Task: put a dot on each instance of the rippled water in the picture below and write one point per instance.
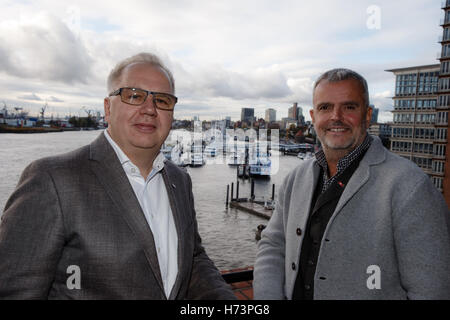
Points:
(227, 234)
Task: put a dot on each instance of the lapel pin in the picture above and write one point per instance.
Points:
(173, 185)
(341, 184)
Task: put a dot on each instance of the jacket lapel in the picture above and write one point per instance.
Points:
(302, 196)
(108, 170)
(172, 183)
(374, 155)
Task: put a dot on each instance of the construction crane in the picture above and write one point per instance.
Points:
(42, 112)
(88, 111)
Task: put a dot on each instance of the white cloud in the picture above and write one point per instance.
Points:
(32, 97)
(41, 46)
(224, 54)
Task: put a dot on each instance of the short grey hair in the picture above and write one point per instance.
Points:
(143, 57)
(341, 74)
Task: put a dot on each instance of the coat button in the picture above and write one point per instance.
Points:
(307, 287)
(299, 231)
(293, 266)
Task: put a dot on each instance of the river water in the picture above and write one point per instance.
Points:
(228, 235)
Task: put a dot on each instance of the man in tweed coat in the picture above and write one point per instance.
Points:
(113, 219)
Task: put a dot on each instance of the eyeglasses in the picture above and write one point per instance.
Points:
(136, 97)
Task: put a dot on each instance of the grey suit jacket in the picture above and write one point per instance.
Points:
(390, 216)
(79, 209)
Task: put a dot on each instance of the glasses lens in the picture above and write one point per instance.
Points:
(164, 101)
(133, 96)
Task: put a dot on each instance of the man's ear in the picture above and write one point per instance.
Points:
(311, 113)
(369, 115)
(107, 108)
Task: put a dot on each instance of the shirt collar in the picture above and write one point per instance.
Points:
(158, 163)
(344, 162)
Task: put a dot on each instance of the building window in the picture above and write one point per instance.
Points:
(438, 167)
(423, 163)
(442, 118)
(425, 148)
(401, 146)
(424, 133)
(439, 150)
(444, 100)
(437, 181)
(441, 134)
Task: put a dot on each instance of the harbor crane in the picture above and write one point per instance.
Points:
(88, 111)
(42, 112)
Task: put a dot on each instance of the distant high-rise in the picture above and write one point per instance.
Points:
(271, 115)
(295, 113)
(248, 115)
(292, 111)
(374, 114)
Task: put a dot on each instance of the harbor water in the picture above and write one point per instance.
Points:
(228, 235)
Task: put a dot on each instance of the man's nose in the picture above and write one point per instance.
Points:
(148, 107)
(337, 113)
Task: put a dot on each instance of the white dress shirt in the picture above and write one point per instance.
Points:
(152, 195)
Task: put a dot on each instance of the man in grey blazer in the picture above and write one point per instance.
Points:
(113, 219)
(357, 221)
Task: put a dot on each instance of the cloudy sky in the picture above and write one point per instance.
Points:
(225, 55)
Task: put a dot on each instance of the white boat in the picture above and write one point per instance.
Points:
(210, 151)
(196, 157)
(235, 159)
(262, 165)
(197, 160)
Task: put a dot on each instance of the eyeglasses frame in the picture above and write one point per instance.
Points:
(118, 92)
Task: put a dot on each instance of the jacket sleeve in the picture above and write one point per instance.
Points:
(269, 270)
(31, 237)
(422, 240)
(206, 282)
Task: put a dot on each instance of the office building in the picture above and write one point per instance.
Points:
(374, 114)
(271, 115)
(296, 113)
(414, 128)
(248, 115)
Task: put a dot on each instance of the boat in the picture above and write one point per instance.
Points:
(262, 168)
(210, 151)
(261, 165)
(235, 159)
(196, 156)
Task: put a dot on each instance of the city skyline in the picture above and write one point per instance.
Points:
(224, 56)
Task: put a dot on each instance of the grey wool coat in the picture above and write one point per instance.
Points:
(79, 209)
(391, 228)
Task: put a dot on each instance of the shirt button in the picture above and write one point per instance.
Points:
(311, 263)
(299, 231)
(133, 170)
(307, 287)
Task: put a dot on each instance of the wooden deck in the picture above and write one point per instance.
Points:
(252, 207)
